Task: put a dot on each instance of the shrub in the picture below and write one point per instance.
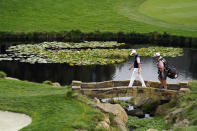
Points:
(2, 74)
(47, 82)
(70, 94)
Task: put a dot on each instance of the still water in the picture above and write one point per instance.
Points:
(64, 74)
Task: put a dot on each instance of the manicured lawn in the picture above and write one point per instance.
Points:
(48, 107)
(102, 15)
(174, 11)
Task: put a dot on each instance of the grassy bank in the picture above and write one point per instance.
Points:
(91, 15)
(147, 123)
(49, 107)
(188, 105)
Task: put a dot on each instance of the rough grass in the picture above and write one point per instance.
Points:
(147, 123)
(92, 15)
(189, 102)
(50, 108)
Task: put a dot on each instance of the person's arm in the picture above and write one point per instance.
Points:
(161, 67)
(139, 65)
(131, 67)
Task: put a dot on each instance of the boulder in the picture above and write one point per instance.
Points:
(139, 101)
(136, 112)
(185, 90)
(161, 110)
(10, 78)
(96, 100)
(174, 116)
(152, 130)
(120, 124)
(120, 115)
(56, 84)
(182, 123)
(105, 124)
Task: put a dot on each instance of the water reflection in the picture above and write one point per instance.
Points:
(64, 74)
(61, 73)
(186, 65)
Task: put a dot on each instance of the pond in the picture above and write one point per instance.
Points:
(64, 74)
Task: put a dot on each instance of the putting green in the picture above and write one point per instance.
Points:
(173, 11)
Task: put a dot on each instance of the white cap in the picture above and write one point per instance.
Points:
(157, 54)
(133, 51)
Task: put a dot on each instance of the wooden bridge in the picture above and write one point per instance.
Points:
(111, 89)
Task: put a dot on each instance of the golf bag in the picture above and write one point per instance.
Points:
(171, 70)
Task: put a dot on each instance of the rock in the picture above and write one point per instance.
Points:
(185, 90)
(139, 101)
(174, 116)
(120, 115)
(76, 83)
(76, 89)
(56, 84)
(151, 130)
(183, 84)
(182, 123)
(88, 85)
(97, 100)
(105, 124)
(10, 78)
(161, 110)
(136, 112)
(120, 124)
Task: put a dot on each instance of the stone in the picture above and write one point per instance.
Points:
(183, 84)
(161, 110)
(10, 78)
(105, 124)
(96, 100)
(151, 130)
(174, 115)
(104, 84)
(88, 85)
(137, 83)
(120, 124)
(139, 101)
(182, 123)
(120, 116)
(56, 84)
(185, 90)
(173, 86)
(76, 83)
(121, 83)
(76, 87)
(155, 84)
(136, 112)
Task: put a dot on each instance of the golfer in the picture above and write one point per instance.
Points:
(137, 69)
(162, 73)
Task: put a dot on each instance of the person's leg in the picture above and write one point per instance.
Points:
(142, 80)
(165, 84)
(133, 76)
(161, 81)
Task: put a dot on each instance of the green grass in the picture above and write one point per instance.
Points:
(189, 103)
(182, 12)
(48, 107)
(102, 15)
(145, 124)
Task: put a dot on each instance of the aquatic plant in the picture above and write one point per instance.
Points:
(76, 54)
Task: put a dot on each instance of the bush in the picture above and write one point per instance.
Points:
(47, 82)
(70, 94)
(2, 74)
